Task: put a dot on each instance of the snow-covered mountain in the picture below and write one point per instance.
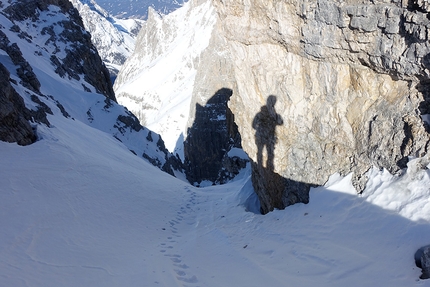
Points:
(157, 81)
(49, 61)
(138, 9)
(166, 83)
(114, 38)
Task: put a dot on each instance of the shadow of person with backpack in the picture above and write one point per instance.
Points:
(265, 123)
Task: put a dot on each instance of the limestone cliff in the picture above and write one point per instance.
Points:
(344, 85)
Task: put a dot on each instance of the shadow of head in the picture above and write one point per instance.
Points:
(271, 101)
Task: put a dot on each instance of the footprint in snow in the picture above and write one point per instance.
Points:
(183, 266)
(176, 260)
(192, 279)
(180, 272)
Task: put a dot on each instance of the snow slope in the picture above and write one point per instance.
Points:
(78, 209)
(157, 81)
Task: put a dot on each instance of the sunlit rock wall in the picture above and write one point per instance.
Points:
(349, 81)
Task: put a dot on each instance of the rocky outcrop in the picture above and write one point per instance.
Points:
(422, 260)
(73, 33)
(14, 116)
(350, 79)
(425, 263)
(210, 138)
(212, 131)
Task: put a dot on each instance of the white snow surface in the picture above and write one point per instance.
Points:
(78, 209)
(157, 81)
(238, 152)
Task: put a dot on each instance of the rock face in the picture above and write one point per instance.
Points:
(425, 263)
(73, 33)
(351, 82)
(422, 260)
(14, 116)
(318, 86)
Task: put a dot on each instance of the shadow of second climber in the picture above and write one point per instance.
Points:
(265, 123)
(273, 190)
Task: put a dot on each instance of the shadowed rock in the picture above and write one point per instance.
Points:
(209, 139)
(14, 116)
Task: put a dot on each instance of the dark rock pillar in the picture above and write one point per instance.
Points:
(209, 139)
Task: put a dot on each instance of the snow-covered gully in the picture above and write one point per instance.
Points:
(78, 209)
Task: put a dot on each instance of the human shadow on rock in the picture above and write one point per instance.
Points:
(265, 123)
(273, 190)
